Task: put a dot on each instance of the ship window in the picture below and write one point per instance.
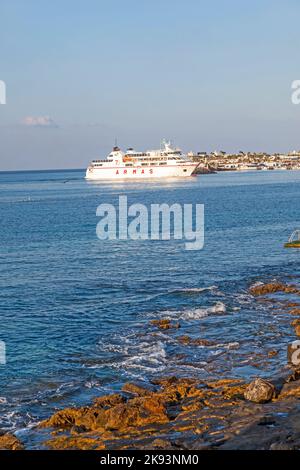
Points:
(163, 163)
(144, 164)
(128, 164)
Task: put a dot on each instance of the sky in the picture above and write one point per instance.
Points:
(209, 75)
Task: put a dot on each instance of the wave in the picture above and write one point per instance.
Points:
(144, 356)
(197, 313)
(195, 290)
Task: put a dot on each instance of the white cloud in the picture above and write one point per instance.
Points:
(39, 121)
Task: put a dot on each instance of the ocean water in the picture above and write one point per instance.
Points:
(76, 311)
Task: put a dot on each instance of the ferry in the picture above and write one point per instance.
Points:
(163, 163)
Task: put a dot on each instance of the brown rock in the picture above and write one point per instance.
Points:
(259, 391)
(297, 330)
(160, 444)
(272, 353)
(64, 418)
(164, 324)
(136, 389)
(290, 390)
(107, 401)
(186, 340)
(292, 304)
(75, 443)
(293, 353)
(10, 442)
(137, 412)
(270, 288)
(295, 311)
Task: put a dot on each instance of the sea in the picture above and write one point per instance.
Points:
(76, 312)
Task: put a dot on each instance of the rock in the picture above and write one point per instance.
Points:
(263, 289)
(290, 390)
(164, 324)
(78, 429)
(160, 444)
(295, 311)
(272, 353)
(75, 443)
(293, 353)
(107, 401)
(137, 412)
(137, 390)
(185, 413)
(10, 442)
(295, 376)
(63, 419)
(187, 340)
(259, 391)
(297, 330)
(295, 322)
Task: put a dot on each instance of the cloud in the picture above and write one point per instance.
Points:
(39, 121)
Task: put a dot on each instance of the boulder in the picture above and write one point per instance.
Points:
(259, 391)
(293, 353)
(10, 442)
(164, 324)
(137, 390)
(263, 289)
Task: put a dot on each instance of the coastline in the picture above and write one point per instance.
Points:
(188, 413)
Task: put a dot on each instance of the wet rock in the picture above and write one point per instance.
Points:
(259, 391)
(295, 322)
(263, 289)
(10, 442)
(135, 412)
(273, 353)
(297, 330)
(78, 429)
(107, 401)
(294, 376)
(160, 444)
(292, 304)
(63, 419)
(137, 390)
(187, 340)
(164, 324)
(174, 390)
(293, 353)
(185, 413)
(295, 311)
(290, 390)
(75, 443)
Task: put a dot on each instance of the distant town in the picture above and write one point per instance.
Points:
(250, 161)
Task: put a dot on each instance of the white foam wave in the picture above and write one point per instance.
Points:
(197, 313)
(196, 290)
(232, 345)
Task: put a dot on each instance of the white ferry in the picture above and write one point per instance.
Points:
(163, 163)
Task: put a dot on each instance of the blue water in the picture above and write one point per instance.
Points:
(76, 311)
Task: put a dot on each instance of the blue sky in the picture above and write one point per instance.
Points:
(207, 74)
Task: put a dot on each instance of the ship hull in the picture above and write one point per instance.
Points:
(139, 172)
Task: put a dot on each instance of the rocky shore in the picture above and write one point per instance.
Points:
(187, 413)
